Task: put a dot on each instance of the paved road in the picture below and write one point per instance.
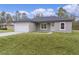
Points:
(9, 33)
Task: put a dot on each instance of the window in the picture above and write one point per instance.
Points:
(62, 25)
(43, 26)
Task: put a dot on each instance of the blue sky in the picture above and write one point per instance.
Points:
(46, 9)
(27, 7)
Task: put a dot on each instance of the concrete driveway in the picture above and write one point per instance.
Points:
(9, 33)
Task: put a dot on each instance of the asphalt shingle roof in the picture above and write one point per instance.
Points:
(45, 19)
(51, 19)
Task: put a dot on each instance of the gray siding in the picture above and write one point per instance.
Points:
(40, 30)
(57, 27)
(32, 27)
(35, 27)
(68, 27)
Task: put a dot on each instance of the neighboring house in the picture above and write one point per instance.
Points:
(6, 26)
(44, 24)
(2, 25)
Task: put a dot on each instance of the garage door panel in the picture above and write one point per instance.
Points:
(21, 27)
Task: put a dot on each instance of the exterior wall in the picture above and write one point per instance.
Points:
(24, 27)
(56, 27)
(32, 27)
(68, 27)
(40, 30)
(21, 27)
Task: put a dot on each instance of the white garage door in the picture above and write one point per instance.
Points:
(21, 27)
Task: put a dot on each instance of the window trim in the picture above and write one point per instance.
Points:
(43, 28)
(60, 25)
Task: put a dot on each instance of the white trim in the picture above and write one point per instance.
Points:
(41, 24)
(64, 25)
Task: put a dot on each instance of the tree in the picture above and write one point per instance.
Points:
(17, 16)
(62, 12)
(75, 25)
(39, 15)
(0, 18)
(23, 15)
(8, 19)
(3, 17)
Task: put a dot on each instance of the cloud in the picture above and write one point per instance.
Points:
(50, 12)
(45, 12)
(24, 12)
(37, 11)
(11, 13)
(73, 9)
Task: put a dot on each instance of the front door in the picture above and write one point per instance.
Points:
(52, 26)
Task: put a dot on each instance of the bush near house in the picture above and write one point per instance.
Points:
(8, 29)
(75, 25)
(40, 44)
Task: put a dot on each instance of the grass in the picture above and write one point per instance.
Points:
(40, 44)
(8, 30)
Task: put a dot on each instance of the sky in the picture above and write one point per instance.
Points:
(46, 9)
(27, 7)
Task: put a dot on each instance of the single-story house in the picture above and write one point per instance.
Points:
(44, 24)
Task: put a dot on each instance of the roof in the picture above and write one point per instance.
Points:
(51, 19)
(23, 20)
(46, 19)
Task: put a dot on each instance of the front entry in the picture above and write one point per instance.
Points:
(52, 26)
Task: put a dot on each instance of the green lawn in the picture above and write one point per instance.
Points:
(40, 44)
(8, 30)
